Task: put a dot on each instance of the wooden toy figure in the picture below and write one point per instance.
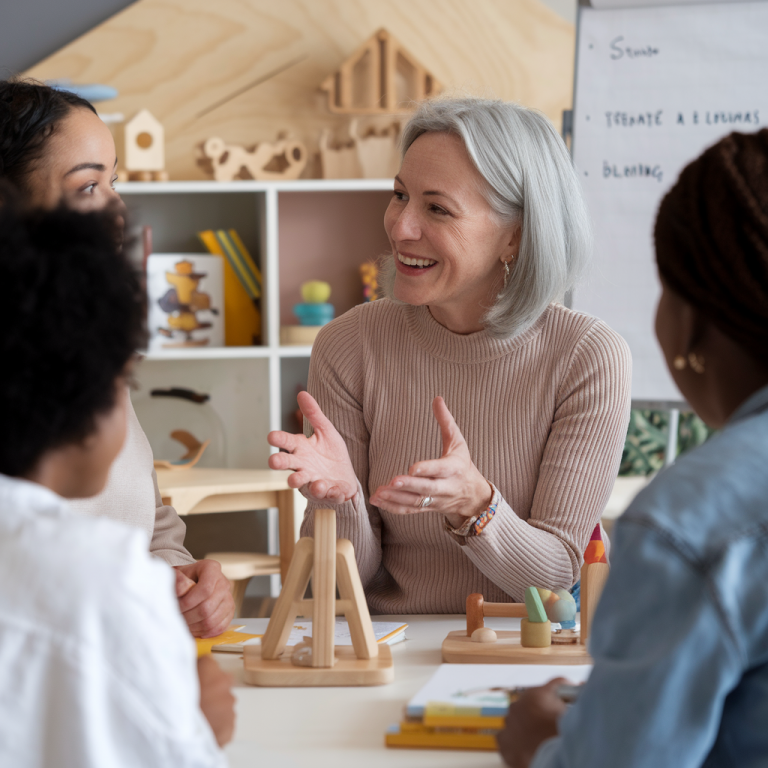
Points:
(144, 155)
(230, 161)
(182, 303)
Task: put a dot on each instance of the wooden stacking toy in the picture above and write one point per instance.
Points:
(535, 643)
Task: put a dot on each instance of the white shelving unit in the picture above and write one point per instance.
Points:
(296, 231)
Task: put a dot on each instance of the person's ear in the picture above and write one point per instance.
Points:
(695, 327)
(512, 248)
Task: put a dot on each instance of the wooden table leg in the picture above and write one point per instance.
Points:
(286, 530)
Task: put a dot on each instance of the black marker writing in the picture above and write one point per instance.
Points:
(641, 170)
(632, 119)
(750, 117)
(620, 51)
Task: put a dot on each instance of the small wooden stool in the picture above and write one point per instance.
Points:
(240, 567)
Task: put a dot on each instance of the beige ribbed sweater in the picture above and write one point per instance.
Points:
(544, 415)
(132, 496)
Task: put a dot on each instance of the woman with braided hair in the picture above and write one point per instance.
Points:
(680, 639)
(55, 150)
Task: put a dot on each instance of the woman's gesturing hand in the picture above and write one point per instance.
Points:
(454, 483)
(321, 462)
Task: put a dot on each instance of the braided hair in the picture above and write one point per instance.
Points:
(711, 238)
(29, 113)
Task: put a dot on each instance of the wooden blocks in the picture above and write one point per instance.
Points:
(372, 155)
(330, 563)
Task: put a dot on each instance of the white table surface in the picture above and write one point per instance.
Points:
(344, 727)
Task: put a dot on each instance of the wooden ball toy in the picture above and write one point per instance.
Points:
(483, 635)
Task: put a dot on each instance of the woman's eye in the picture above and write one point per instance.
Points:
(438, 209)
(399, 195)
(90, 189)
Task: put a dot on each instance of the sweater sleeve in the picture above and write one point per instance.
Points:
(576, 475)
(168, 534)
(336, 381)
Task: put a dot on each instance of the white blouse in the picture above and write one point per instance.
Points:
(132, 496)
(97, 666)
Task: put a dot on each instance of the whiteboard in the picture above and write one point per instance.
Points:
(654, 87)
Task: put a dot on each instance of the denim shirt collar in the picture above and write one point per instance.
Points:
(753, 405)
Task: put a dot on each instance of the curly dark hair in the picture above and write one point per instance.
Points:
(29, 114)
(711, 238)
(71, 317)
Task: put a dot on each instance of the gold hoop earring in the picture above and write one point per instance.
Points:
(506, 273)
(696, 362)
(679, 363)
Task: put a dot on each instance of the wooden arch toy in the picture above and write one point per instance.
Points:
(317, 662)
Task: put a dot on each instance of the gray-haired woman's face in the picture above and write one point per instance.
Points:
(448, 245)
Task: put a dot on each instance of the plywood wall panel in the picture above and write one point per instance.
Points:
(179, 57)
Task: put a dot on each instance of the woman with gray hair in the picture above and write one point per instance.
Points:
(500, 486)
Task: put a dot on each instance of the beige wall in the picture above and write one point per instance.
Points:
(178, 58)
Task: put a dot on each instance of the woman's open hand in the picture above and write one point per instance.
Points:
(454, 483)
(321, 462)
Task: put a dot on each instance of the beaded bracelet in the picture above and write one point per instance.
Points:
(473, 526)
(487, 516)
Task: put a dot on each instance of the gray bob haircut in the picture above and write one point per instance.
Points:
(530, 180)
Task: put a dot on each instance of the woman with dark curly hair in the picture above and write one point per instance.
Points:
(54, 149)
(98, 667)
(680, 639)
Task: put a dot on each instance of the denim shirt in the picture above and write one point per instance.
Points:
(680, 638)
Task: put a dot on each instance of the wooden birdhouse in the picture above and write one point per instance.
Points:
(380, 77)
(144, 144)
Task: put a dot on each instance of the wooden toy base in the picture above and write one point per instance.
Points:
(458, 648)
(348, 670)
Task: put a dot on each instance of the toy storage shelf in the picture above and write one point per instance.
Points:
(296, 231)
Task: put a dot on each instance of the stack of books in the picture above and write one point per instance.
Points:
(463, 706)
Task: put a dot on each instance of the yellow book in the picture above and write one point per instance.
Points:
(441, 715)
(242, 318)
(231, 635)
(418, 735)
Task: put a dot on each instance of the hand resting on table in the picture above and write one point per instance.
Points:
(205, 598)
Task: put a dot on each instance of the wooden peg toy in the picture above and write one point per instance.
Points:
(535, 643)
(317, 661)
